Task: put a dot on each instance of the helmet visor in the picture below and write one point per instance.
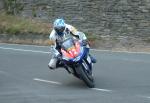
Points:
(60, 29)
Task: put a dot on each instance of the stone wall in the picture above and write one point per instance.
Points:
(101, 17)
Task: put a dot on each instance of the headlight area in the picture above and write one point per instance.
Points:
(77, 58)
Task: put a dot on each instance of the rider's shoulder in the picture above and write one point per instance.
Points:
(71, 28)
(68, 26)
(52, 35)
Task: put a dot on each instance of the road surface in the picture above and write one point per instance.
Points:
(25, 78)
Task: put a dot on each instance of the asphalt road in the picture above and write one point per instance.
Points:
(25, 78)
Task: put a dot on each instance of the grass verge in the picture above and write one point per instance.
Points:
(13, 25)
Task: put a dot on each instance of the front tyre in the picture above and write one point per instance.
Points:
(86, 76)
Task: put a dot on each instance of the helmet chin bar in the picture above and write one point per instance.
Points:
(60, 33)
(59, 30)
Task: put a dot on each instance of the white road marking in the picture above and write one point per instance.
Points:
(22, 45)
(58, 83)
(147, 97)
(47, 81)
(24, 50)
(129, 52)
(91, 49)
(2, 72)
(103, 90)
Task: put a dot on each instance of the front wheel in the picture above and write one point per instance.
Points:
(86, 76)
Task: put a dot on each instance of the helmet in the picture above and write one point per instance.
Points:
(59, 26)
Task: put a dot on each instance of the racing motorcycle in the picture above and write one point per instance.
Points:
(77, 61)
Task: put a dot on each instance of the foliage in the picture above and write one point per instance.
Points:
(13, 6)
(12, 25)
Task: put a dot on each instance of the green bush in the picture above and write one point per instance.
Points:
(13, 6)
(12, 25)
(13, 30)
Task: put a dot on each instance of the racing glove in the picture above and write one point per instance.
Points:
(84, 42)
(59, 57)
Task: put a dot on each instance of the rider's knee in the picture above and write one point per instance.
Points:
(52, 64)
(51, 67)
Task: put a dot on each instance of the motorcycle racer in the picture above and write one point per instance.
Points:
(61, 31)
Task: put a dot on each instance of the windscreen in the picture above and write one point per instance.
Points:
(67, 44)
